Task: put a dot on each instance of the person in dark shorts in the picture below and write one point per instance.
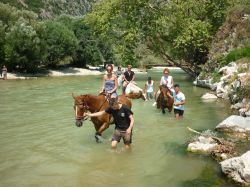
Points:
(179, 101)
(124, 122)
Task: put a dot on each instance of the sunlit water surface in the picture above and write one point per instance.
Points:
(41, 146)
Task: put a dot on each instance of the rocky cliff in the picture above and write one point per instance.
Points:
(52, 8)
(233, 34)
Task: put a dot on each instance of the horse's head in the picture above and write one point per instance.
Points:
(164, 100)
(80, 106)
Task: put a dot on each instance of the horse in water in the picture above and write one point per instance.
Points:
(164, 100)
(134, 92)
(92, 103)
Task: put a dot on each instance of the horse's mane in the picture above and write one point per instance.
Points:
(91, 95)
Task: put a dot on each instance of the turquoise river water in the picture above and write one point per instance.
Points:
(40, 145)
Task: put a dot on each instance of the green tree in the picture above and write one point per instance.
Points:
(23, 49)
(91, 49)
(60, 43)
(178, 30)
(10, 15)
(2, 42)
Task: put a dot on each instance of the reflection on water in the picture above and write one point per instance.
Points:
(41, 146)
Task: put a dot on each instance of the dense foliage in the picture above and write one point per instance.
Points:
(52, 8)
(28, 44)
(138, 32)
(238, 53)
(179, 31)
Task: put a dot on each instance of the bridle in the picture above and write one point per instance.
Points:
(85, 108)
(82, 107)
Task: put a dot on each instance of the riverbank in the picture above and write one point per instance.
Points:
(70, 71)
(231, 84)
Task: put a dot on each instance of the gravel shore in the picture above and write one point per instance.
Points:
(71, 71)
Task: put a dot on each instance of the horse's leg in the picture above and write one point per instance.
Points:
(98, 134)
(163, 105)
(164, 100)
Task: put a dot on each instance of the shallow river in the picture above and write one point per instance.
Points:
(40, 146)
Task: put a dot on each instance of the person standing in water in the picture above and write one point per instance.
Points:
(119, 76)
(179, 101)
(149, 89)
(4, 72)
(124, 122)
(118, 71)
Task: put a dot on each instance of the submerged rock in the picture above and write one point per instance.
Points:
(238, 168)
(209, 96)
(219, 148)
(202, 145)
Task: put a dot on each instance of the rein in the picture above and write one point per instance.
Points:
(106, 99)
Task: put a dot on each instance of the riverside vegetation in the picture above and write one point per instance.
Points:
(210, 40)
(141, 32)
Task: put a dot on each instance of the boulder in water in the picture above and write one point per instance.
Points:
(236, 124)
(238, 168)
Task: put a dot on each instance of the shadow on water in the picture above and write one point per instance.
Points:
(176, 148)
(210, 176)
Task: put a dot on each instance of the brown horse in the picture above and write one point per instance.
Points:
(92, 103)
(164, 100)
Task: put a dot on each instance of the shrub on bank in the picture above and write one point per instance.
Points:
(238, 54)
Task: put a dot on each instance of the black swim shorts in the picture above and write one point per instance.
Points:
(180, 112)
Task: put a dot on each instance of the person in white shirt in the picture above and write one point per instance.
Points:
(167, 80)
(149, 89)
(179, 101)
(166, 84)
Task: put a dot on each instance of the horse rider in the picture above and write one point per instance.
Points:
(167, 80)
(128, 77)
(109, 83)
(166, 83)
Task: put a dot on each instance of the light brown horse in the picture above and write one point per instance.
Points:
(164, 100)
(139, 95)
(92, 103)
